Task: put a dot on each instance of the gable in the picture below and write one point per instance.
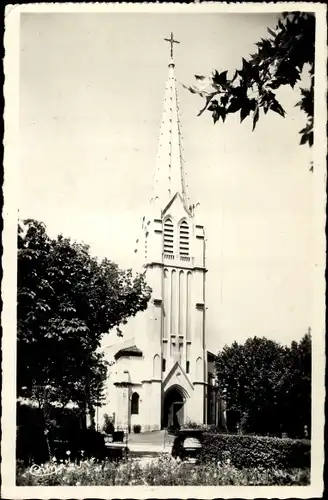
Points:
(177, 376)
(176, 208)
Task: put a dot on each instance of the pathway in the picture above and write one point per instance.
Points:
(149, 445)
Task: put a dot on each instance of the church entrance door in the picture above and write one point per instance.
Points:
(173, 414)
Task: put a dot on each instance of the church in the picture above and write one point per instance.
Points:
(163, 375)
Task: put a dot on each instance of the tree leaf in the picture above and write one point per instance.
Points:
(216, 115)
(235, 105)
(304, 139)
(207, 102)
(277, 108)
(213, 105)
(220, 78)
(244, 112)
(256, 116)
(224, 100)
(223, 114)
(192, 90)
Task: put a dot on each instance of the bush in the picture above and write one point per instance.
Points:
(190, 424)
(59, 420)
(35, 435)
(203, 427)
(108, 426)
(31, 444)
(256, 451)
(64, 421)
(137, 429)
(88, 443)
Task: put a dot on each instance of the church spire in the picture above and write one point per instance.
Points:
(170, 177)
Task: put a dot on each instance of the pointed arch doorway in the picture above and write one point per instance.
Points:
(173, 408)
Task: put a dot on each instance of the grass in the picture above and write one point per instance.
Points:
(162, 471)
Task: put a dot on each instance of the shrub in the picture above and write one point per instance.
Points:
(203, 427)
(108, 426)
(190, 424)
(31, 444)
(59, 420)
(62, 425)
(137, 428)
(256, 451)
(212, 428)
(90, 441)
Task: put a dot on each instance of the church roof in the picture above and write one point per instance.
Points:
(128, 351)
(210, 356)
(170, 175)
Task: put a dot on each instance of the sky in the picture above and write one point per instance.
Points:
(90, 103)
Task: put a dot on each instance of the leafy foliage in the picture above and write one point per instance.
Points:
(256, 451)
(163, 471)
(210, 428)
(33, 445)
(279, 60)
(267, 384)
(295, 395)
(66, 301)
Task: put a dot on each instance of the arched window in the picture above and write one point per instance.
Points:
(184, 238)
(168, 236)
(156, 366)
(135, 404)
(199, 369)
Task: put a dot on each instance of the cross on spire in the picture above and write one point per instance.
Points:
(170, 177)
(171, 41)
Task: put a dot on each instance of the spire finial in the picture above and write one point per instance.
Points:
(170, 177)
(171, 41)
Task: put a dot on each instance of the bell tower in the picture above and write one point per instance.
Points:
(173, 250)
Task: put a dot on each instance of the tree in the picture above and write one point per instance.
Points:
(250, 376)
(66, 301)
(279, 60)
(296, 390)
(267, 384)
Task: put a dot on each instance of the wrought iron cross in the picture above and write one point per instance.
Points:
(171, 41)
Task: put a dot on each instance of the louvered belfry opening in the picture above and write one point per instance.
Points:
(168, 237)
(184, 238)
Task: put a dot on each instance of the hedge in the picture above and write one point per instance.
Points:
(256, 451)
(31, 442)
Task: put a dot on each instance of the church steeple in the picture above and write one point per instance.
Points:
(169, 368)
(170, 176)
